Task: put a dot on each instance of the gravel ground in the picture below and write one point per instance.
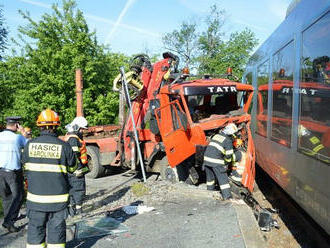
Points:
(184, 206)
(297, 230)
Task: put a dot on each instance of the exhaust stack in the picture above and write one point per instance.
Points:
(79, 93)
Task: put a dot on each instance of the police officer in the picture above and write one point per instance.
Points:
(47, 160)
(11, 175)
(77, 180)
(217, 156)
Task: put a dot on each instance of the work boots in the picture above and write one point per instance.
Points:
(10, 227)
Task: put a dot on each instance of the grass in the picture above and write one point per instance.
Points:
(139, 189)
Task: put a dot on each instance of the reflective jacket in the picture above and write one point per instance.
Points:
(219, 151)
(311, 145)
(47, 160)
(78, 146)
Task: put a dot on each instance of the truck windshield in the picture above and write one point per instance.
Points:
(213, 105)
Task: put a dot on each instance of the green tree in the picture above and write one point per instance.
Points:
(183, 42)
(234, 53)
(211, 40)
(3, 33)
(208, 49)
(44, 76)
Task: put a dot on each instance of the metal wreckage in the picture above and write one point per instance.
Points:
(166, 120)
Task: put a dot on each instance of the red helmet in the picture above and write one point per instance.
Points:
(48, 117)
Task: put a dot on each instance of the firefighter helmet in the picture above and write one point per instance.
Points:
(80, 121)
(48, 117)
(230, 129)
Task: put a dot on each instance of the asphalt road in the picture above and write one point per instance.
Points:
(183, 217)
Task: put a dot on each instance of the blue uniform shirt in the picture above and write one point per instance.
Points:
(10, 150)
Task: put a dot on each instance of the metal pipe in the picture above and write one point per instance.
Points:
(122, 71)
(79, 93)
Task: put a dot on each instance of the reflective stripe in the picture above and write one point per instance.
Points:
(227, 159)
(45, 167)
(225, 186)
(72, 169)
(36, 246)
(217, 146)
(314, 140)
(234, 157)
(214, 160)
(317, 148)
(229, 152)
(56, 245)
(235, 178)
(210, 183)
(75, 148)
(219, 138)
(47, 198)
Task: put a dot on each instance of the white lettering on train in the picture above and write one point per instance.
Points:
(303, 91)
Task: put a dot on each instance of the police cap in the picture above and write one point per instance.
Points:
(13, 119)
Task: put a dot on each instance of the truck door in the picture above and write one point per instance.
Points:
(173, 126)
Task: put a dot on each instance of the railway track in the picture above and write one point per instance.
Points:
(297, 229)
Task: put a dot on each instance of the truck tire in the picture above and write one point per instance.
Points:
(94, 165)
(168, 173)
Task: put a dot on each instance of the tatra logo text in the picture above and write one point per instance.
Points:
(44, 150)
(222, 89)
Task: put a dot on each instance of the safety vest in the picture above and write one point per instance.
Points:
(47, 160)
(82, 149)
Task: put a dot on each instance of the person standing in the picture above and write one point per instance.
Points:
(47, 162)
(217, 156)
(77, 180)
(11, 175)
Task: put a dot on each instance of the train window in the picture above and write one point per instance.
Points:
(262, 99)
(248, 78)
(283, 66)
(314, 119)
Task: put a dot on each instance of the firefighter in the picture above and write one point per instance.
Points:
(237, 167)
(47, 162)
(217, 156)
(77, 180)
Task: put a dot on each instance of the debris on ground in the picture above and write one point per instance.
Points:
(98, 226)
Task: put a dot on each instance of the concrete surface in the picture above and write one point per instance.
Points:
(182, 220)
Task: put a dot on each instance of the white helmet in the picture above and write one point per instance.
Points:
(78, 122)
(230, 129)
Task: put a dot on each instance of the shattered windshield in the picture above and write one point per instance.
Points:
(205, 106)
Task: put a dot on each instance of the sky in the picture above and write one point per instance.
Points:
(136, 26)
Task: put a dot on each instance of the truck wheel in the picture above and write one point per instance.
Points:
(169, 174)
(95, 168)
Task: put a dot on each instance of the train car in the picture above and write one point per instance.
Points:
(290, 72)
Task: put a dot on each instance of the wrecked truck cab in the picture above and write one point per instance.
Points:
(192, 111)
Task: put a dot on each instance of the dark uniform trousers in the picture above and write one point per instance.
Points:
(77, 184)
(217, 154)
(53, 221)
(77, 190)
(11, 192)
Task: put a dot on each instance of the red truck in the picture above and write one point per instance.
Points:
(175, 116)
